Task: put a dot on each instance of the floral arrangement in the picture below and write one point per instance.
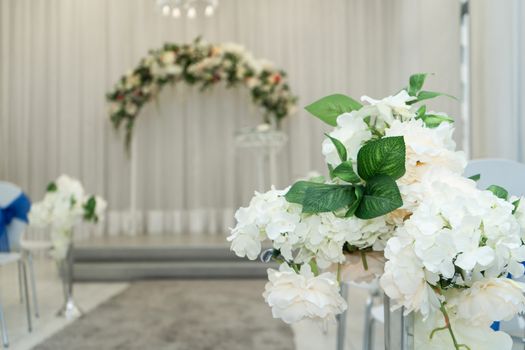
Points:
(64, 205)
(394, 207)
(204, 65)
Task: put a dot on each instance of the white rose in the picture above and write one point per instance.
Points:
(132, 81)
(488, 300)
(427, 147)
(297, 296)
(131, 108)
(168, 57)
(352, 131)
(390, 108)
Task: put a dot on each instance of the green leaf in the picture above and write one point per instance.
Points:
(433, 120)
(52, 187)
(345, 172)
(384, 156)
(421, 111)
(331, 171)
(380, 197)
(426, 95)
(89, 209)
(416, 83)
(498, 191)
(317, 179)
(326, 198)
(353, 207)
(341, 149)
(330, 107)
(475, 177)
(296, 193)
(516, 204)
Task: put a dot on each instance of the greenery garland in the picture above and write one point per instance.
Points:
(202, 64)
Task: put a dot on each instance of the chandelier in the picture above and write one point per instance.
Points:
(188, 8)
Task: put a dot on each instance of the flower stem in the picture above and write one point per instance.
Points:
(338, 273)
(315, 268)
(363, 260)
(448, 326)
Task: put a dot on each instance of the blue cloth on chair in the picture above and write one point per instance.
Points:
(17, 209)
(495, 326)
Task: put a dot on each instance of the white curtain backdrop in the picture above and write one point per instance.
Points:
(498, 79)
(59, 57)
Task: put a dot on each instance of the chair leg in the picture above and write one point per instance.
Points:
(341, 320)
(5, 339)
(367, 335)
(20, 283)
(26, 294)
(33, 283)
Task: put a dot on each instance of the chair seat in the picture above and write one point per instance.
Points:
(36, 245)
(8, 258)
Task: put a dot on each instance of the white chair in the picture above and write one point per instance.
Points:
(503, 172)
(8, 193)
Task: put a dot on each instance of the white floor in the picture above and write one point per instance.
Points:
(87, 295)
(308, 335)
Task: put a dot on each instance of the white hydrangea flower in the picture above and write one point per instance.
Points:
(100, 208)
(519, 214)
(352, 131)
(40, 215)
(456, 226)
(488, 300)
(297, 296)
(404, 279)
(60, 210)
(269, 215)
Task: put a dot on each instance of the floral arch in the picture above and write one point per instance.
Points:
(203, 64)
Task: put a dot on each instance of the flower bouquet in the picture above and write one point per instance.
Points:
(396, 196)
(65, 205)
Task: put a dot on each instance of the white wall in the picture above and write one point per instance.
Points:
(59, 57)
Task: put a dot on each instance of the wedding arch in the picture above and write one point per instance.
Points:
(205, 65)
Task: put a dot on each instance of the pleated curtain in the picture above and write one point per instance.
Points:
(60, 57)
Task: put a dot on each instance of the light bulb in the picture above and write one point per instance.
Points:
(166, 10)
(208, 11)
(176, 12)
(191, 12)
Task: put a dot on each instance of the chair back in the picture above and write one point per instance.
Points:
(8, 193)
(506, 173)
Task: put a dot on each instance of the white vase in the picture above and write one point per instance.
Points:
(399, 329)
(69, 309)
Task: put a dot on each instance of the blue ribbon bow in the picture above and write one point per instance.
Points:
(17, 209)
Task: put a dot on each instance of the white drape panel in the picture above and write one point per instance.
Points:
(59, 57)
(498, 79)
